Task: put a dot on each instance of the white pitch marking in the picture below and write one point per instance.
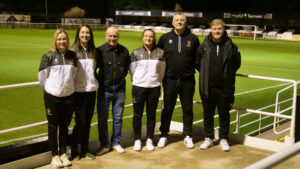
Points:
(251, 91)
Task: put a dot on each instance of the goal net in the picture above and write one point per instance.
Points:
(250, 31)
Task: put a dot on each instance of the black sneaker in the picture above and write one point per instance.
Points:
(90, 156)
(102, 151)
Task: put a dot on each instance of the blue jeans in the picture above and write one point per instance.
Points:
(103, 101)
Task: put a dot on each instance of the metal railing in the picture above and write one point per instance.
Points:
(277, 114)
(276, 158)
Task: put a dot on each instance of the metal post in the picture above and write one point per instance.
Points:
(297, 120)
(46, 11)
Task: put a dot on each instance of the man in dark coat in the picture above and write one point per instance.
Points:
(218, 59)
(180, 46)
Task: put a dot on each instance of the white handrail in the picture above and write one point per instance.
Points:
(278, 114)
(293, 115)
(19, 85)
(266, 78)
(276, 110)
(276, 158)
(23, 127)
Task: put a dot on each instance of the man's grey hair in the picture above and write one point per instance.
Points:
(179, 13)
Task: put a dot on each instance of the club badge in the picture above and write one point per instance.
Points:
(189, 43)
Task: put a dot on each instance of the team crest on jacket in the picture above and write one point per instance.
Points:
(134, 100)
(189, 43)
(170, 41)
(156, 55)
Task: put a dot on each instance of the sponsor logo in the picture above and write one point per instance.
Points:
(56, 61)
(78, 55)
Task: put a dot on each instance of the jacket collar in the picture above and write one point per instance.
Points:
(108, 47)
(153, 48)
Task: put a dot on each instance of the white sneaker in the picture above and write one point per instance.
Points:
(162, 142)
(224, 145)
(119, 148)
(65, 160)
(56, 162)
(149, 144)
(188, 141)
(137, 145)
(206, 144)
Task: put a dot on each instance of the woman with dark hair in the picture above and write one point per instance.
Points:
(147, 70)
(86, 86)
(57, 72)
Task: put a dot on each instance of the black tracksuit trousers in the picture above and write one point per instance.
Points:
(140, 96)
(59, 115)
(223, 104)
(185, 88)
(84, 110)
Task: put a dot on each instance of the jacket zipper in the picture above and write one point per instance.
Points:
(149, 55)
(85, 63)
(114, 70)
(63, 56)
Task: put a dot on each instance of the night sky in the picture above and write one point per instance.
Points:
(111, 5)
(106, 8)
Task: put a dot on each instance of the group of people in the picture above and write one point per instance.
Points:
(71, 77)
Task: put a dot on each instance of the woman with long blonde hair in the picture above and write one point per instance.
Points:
(56, 75)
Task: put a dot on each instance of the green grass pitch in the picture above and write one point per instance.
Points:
(21, 51)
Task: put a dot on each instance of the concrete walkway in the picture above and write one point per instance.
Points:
(177, 156)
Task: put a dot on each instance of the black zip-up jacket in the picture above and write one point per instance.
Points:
(180, 64)
(231, 63)
(113, 64)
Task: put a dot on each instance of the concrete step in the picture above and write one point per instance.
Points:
(270, 135)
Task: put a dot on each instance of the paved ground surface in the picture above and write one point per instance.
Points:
(177, 156)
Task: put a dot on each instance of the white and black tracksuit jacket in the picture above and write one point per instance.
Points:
(85, 80)
(147, 70)
(57, 73)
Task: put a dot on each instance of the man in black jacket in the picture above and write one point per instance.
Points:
(180, 46)
(113, 62)
(218, 59)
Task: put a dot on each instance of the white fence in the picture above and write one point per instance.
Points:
(287, 114)
(240, 112)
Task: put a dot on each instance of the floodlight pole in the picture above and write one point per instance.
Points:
(46, 10)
